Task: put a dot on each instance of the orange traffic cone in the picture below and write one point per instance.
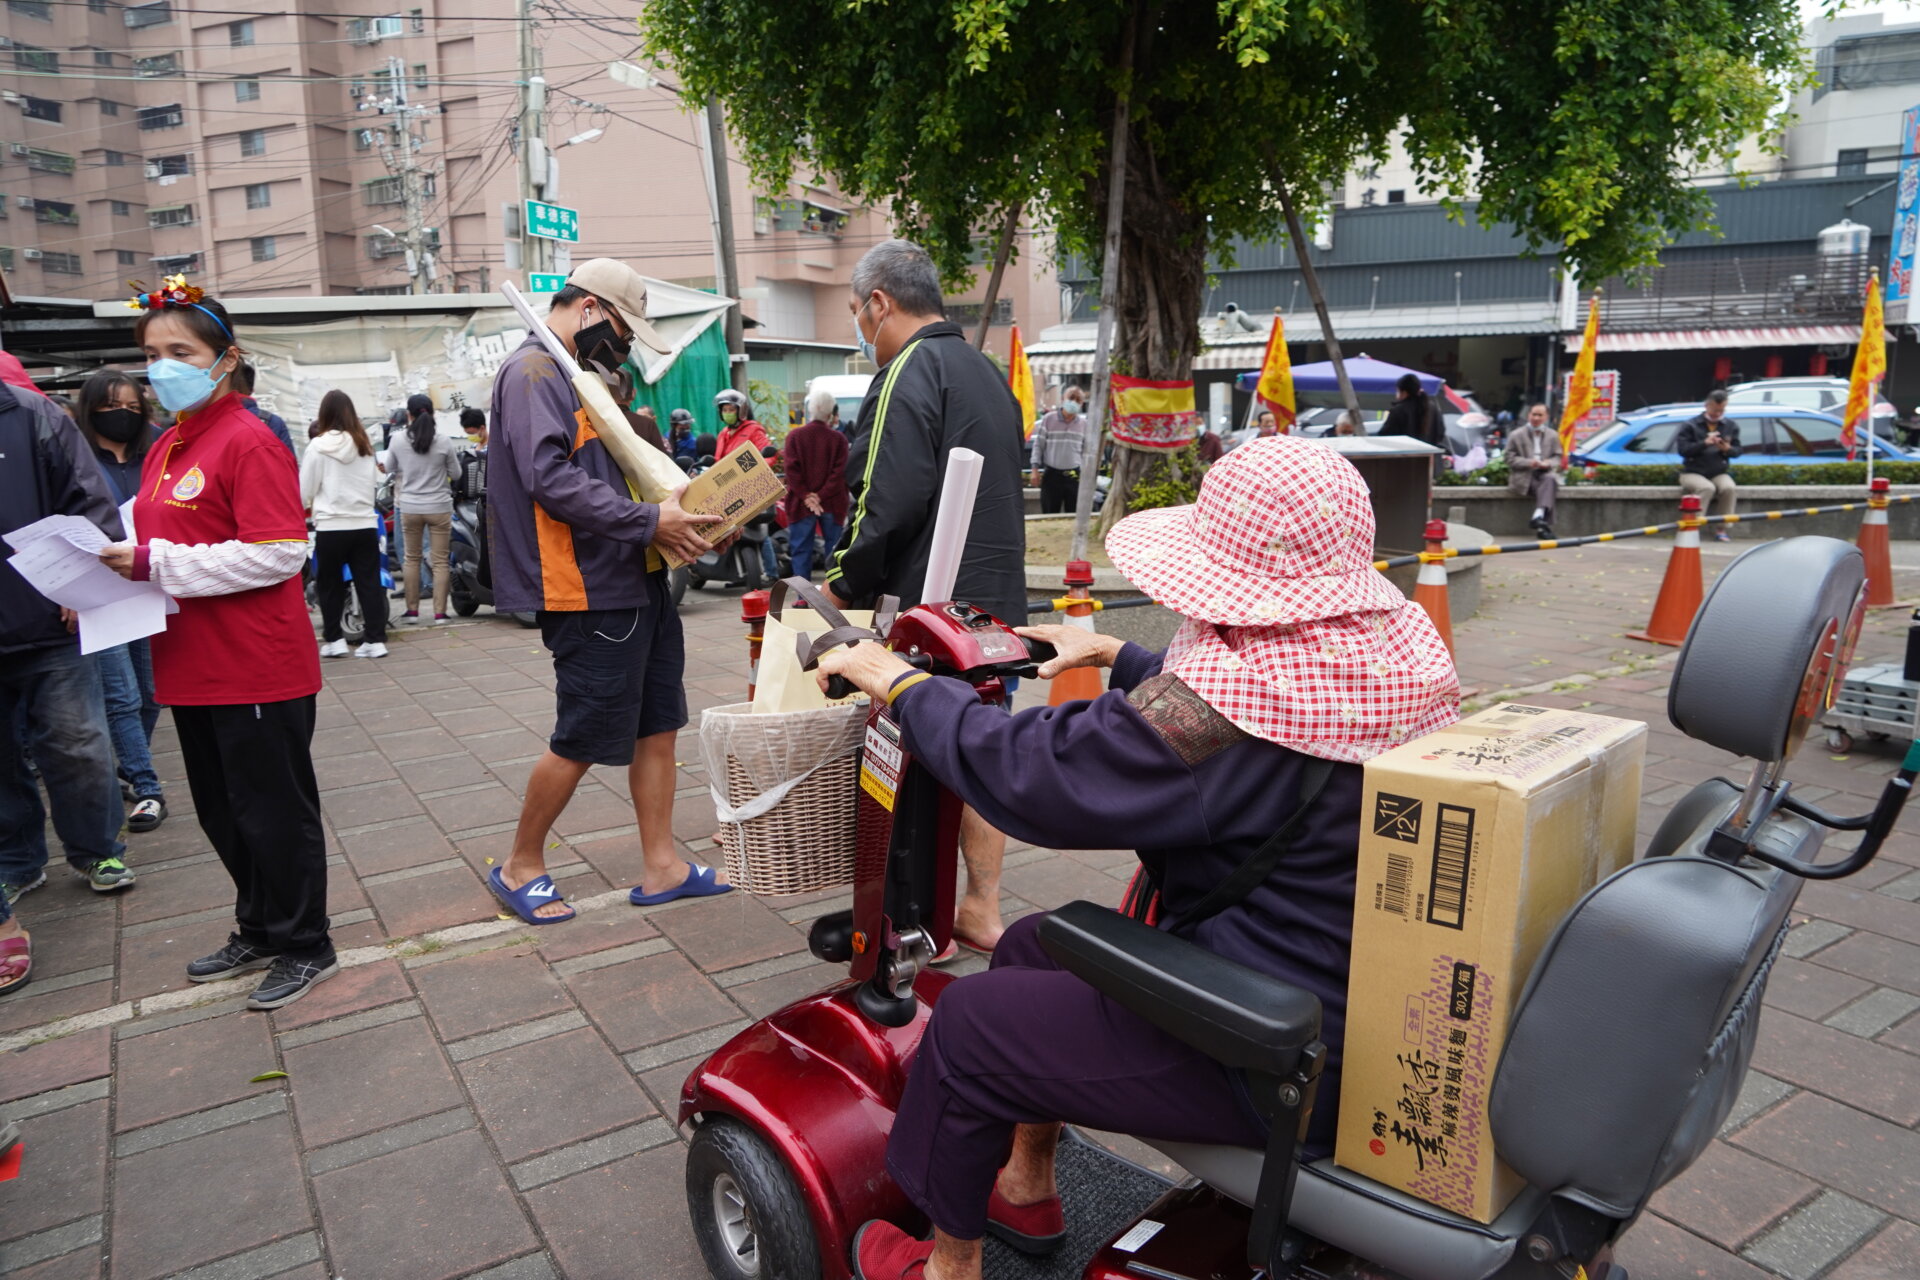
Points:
(1873, 545)
(753, 612)
(1430, 588)
(1081, 683)
(1680, 590)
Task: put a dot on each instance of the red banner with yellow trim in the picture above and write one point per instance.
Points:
(1153, 415)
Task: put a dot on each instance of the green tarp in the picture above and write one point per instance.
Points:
(697, 374)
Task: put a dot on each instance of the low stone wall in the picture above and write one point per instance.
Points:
(1588, 509)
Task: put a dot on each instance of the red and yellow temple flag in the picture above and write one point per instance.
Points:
(1580, 393)
(1869, 366)
(1153, 415)
(1020, 378)
(1276, 378)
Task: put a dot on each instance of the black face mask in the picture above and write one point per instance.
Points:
(601, 344)
(122, 426)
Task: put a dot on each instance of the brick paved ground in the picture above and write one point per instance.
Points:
(467, 1099)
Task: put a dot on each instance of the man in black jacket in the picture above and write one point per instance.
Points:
(933, 393)
(1707, 445)
(46, 469)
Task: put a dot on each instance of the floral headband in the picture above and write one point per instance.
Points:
(174, 292)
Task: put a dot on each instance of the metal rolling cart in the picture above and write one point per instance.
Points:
(1875, 701)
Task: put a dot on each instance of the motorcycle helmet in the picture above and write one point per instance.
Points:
(680, 418)
(737, 399)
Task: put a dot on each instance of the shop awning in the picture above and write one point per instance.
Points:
(1802, 335)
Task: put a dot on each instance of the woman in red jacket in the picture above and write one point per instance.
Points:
(737, 426)
(218, 525)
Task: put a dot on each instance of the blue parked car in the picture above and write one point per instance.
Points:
(1769, 433)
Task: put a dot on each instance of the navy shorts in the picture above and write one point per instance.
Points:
(620, 676)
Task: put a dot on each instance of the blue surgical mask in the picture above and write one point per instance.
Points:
(1070, 408)
(181, 386)
(866, 347)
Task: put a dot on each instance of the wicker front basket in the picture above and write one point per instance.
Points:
(805, 842)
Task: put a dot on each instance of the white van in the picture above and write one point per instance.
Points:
(849, 389)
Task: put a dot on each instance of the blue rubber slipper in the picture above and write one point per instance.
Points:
(529, 898)
(701, 882)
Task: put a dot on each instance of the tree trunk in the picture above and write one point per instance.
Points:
(1163, 265)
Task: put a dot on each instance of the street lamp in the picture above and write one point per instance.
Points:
(579, 138)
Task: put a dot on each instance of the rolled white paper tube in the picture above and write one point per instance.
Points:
(950, 525)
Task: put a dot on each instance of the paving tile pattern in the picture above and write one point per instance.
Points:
(498, 1101)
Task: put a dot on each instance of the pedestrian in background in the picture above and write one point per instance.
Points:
(337, 483)
(115, 419)
(1347, 424)
(680, 438)
(50, 696)
(1057, 452)
(423, 466)
(1211, 447)
(737, 426)
(1707, 445)
(1265, 424)
(219, 528)
(816, 464)
(243, 384)
(473, 424)
(1533, 463)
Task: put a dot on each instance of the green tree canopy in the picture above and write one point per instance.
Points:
(1569, 119)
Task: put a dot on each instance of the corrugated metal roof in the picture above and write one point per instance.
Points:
(1806, 335)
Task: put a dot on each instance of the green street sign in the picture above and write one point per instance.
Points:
(553, 222)
(545, 284)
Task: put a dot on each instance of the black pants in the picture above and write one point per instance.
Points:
(358, 550)
(1059, 491)
(251, 771)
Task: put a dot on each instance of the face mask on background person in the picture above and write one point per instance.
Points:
(729, 414)
(1070, 407)
(180, 386)
(122, 426)
(600, 343)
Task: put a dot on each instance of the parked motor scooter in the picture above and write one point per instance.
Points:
(468, 585)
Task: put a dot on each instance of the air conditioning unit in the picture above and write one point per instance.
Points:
(31, 255)
(24, 202)
(20, 149)
(358, 89)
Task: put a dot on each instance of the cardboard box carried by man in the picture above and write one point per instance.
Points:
(1475, 841)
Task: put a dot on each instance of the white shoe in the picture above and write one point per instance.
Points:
(371, 649)
(334, 649)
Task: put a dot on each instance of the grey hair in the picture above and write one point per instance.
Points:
(904, 272)
(820, 404)
(1347, 418)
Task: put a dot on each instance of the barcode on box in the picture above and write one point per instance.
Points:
(1452, 859)
(1399, 882)
(721, 479)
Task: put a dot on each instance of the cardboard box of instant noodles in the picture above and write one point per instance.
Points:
(736, 488)
(1474, 842)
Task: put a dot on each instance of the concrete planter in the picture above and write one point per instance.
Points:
(1588, 509)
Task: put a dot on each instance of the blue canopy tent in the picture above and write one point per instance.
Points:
(1369, 377)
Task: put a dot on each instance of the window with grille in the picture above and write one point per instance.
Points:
(240, 34)
(417, 19)
(259, 195)
(384, 191)
(149, 15)
(55, 211)
(253, 142)
(176, 262)
(47, 161)
(60, 264)
(167, 117)
(102, 57)
(1850, 162)
(120, 208)
(40, 109)
(1871, 62)
(178, 215)
(108, 107)
(113, 159)
(264, 249)
(169, 166)
(96, 6)
(6, 257)
(126, 258)
(160, 64)
(28, 58)
(246, 91)
(31, 9)
(419, 75)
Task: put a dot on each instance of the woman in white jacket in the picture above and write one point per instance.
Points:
(337, 481)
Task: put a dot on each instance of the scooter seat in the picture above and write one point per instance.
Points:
(1364, 1217)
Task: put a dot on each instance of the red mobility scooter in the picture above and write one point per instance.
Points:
(1624, 1058)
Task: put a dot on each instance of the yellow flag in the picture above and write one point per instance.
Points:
(1869, 366)
(1276, 378)
(1580, 393)
(1020, 378)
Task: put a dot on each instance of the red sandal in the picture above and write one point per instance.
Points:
(16, 962)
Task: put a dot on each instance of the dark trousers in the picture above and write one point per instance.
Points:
(51, 704)
(359, 551)
(1026, 1043)
(251, 771)
(1059, 491)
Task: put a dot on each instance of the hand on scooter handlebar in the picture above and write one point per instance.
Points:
(1068, 647)
(679, 529)
(869, 666)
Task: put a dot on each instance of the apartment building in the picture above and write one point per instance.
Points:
(269, 154)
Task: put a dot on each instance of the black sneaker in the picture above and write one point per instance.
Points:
(235, 957)
(289, 979)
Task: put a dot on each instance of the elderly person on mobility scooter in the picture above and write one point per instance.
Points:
(1232, 763)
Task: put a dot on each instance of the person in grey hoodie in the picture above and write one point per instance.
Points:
(423, 466)
(337, 482)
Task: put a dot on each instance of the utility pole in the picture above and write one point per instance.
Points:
(728, 283)
(399, 149)
(536, 253)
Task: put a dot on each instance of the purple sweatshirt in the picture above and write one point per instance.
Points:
(563, 531)
(1098, 775)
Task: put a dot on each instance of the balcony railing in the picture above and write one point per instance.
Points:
(1734, 292)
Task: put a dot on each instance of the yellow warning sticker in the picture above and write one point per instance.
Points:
(880, 763)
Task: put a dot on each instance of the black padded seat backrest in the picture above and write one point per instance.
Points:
(1636, 1027)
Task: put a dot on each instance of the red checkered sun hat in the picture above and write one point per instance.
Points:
(1290, 631)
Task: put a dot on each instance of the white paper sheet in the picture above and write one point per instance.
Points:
(59, 556)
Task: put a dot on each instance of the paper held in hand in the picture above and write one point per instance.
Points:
(736, 488)
(59, 556)
(654, 475)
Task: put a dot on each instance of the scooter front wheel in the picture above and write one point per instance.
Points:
(746, 1210)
